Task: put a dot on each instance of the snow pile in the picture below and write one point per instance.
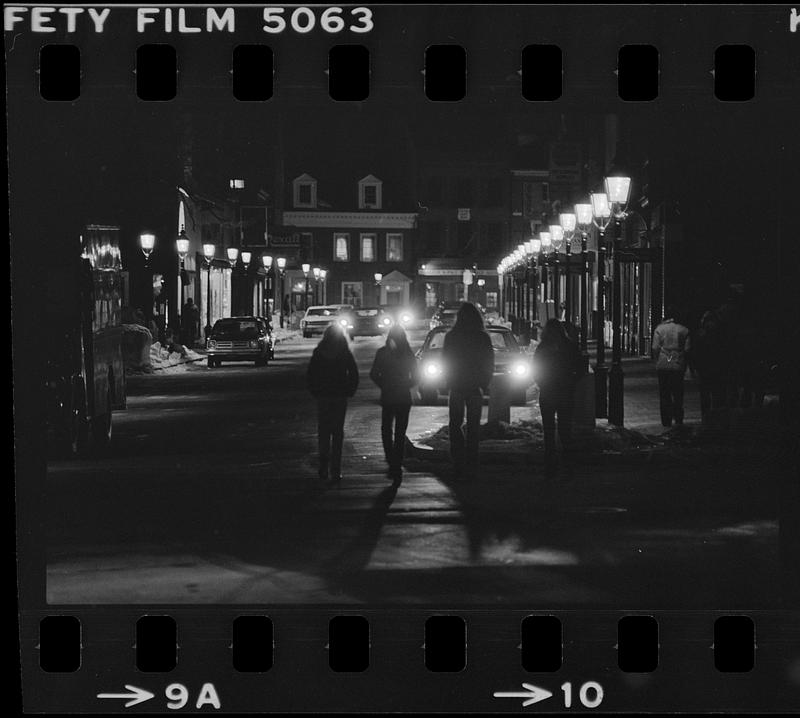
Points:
(174, 358)
(285, 335)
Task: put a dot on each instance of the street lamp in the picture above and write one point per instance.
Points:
(583, 218)
(306, 269)
(147, 242)
(182, 246)
(322, 274)
(618, 190)
(316, 272)
(546, 245)
(266, 261)
(557, 236)
(601, 216)
(208, 252)
(281, 262)
(567, 221)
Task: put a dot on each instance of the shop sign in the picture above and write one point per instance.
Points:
(464, 214)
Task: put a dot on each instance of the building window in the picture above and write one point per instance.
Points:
(341, 247)
(394, 247)
(304, 192)
(368, 242)
(370, 193)
(352, 293)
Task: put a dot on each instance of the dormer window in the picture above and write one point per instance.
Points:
(305, 192)
(370, 193)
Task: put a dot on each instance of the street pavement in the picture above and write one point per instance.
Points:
(210, 495)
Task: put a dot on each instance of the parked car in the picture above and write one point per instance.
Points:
(368, 322)
(240, 339)
(317, 319)
(509, 359)
(445, 315)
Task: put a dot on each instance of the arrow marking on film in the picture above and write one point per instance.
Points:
(532, 694)
(137, 695)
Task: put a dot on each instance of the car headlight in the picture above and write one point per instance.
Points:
(386, 321)
(212, 344)
(343, 322)
(432, 369)
(252, 343)
(520, 369)
(405, 318)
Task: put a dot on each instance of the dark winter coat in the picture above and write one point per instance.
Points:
(468, 357)
(558, 366)
(332, 374)
(395, 373)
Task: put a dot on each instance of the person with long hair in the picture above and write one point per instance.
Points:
(468, 358)
(332, 379)
(394, 370)
(558, 366)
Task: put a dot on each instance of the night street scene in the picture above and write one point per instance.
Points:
(222, 309)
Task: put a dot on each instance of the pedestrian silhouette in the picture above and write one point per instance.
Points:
(190, 323)
(469, 364)
(332, 379)
(394, 370)
(709, 359)
(558, 366)
(670, 346)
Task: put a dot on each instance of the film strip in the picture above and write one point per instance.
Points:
(254, 470)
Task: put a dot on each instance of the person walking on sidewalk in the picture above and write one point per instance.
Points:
(558, 364)
(394, 370)
(332, 379)
(709, 360)
(671, 344)
(468, 359)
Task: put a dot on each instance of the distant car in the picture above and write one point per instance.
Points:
(368, 322)
(445, 315)
(239, 339)
(317, 319)
(400, 315)
(509, 359)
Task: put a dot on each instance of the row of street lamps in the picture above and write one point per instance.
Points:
(543, 251)
(271, 266)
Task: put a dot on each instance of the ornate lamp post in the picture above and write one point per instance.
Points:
(281, 262)
(557, 238)
(266, 261)
(583, 217)
(208, 252)
(233, 256)
(316, 272)
(618, 190)
(546, 246)
(601, 212)
(322, 274)
(182, 247)
(378, 277)
(536, 248)
(147, 242)
(306, 269)
(568, 221)
(248, 294)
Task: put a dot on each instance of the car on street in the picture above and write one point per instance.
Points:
(317, 319)
(239, 339)
(400, 315)
(510, 360)
(368, 322)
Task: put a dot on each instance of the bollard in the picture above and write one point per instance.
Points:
(500, 398)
